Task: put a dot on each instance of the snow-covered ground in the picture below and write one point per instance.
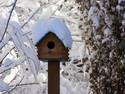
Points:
(29, 85)
(68, 84)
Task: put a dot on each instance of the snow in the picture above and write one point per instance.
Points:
(93, 16)
(28, 4)
(78, 51)
(118, 7)
(41, 78)
(11, 76)
(4, 41)
(107, 32)
(7, 62)
(13, 64)
(66, 87)
(123, 22)
(105, 40)
(54, 25)
(4, 53)
(48, 11)
(124, 15)
(3, 86)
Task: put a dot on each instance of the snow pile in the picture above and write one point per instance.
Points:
(55, 26)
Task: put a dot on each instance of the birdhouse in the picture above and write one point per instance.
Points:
(51, 48)
(52, 39)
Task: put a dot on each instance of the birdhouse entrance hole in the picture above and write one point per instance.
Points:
(51, 45)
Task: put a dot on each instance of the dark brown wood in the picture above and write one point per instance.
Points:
(59, 52)
(53, 77)
(0, 63)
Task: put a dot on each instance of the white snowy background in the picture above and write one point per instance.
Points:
(21, 72)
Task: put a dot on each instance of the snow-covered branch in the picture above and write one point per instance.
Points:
(8, 20)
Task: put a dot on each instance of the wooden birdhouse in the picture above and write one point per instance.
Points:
(52, 39)
(51, 48)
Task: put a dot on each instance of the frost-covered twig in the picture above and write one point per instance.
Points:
(8, 20)
(58, 8)
(14, 78)
(16, 63)
(26, 84)
(1, 3)
(4, 42)
(34, 13)
(8, 5)
(37, 10)
(14, 86)
(3, 56)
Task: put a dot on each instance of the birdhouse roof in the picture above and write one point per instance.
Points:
(54, 25)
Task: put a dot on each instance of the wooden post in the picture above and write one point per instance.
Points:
(53, 77)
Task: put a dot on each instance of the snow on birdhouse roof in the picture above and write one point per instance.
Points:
(54, 25)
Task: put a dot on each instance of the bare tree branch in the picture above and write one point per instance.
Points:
(25, 84)
(37, 10)
(14, 4)
(4, 69)
(14, 86)
(3, 56)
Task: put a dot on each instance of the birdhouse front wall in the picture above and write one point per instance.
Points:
(52, 49)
